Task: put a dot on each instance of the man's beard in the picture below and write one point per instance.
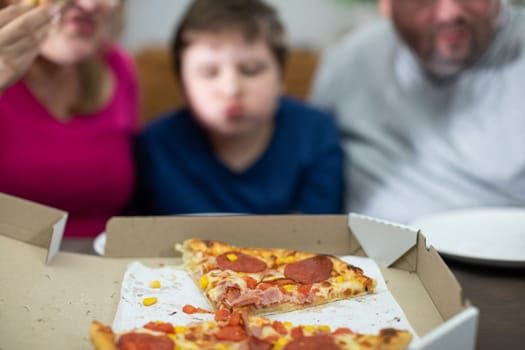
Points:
(444, 67)
(454, 57)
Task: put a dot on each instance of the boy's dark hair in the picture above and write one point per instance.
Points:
(254, 19)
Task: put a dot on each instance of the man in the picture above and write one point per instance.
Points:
(431, 104)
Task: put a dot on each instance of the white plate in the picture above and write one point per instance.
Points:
(99, 244)
(489, 236)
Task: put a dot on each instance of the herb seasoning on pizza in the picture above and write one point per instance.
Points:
(270, 280)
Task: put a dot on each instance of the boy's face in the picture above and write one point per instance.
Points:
(232, 85)
(447, 35)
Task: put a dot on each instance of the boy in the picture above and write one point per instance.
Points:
(239, 147)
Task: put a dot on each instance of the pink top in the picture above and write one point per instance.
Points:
(84, 166)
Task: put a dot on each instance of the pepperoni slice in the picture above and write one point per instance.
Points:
(343, 330)
(311, 270)
(279, 327)
(297, 332)
(163, 327)
(240, 262)
(231, 333)
(321, 341)
(144, 341)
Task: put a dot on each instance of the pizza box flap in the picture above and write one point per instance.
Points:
(156, 236)
(383, 241)
(402, 247)
(32, 223)
(387, 243)
(434, 274)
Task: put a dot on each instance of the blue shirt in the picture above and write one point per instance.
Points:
(300, 171)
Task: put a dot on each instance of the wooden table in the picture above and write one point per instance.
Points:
(499, 293)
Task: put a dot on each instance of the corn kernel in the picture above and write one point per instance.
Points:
(289, 287)
(280, 343)
(155, 284)
(232, 257)
(285, 260)
(325, 328)
(308, 329)
(180, 329)
(339, 279)
(203, 282)
(288, 324)
(149, 301)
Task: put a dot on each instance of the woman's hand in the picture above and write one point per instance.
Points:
(23, 28)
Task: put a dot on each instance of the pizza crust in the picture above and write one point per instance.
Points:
(102, 336)
(387, 339)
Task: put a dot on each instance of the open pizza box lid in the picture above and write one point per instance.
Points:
(58, 300)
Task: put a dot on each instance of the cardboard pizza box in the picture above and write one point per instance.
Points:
(49, 298)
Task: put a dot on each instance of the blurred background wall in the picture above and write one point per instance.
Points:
(311, 24)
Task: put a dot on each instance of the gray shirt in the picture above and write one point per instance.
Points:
(415, 146)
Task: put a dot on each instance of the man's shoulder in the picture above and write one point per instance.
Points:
(357, 58)
(517, 20)
(360, 59)
(366, 42)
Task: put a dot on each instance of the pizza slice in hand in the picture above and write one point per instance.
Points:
(270, 280)
(43, 2)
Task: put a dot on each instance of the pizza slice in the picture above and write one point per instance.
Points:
(285, 336)
(248, 332)
(270, 280)
(165, 336)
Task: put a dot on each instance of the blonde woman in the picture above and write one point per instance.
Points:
(68, 110)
